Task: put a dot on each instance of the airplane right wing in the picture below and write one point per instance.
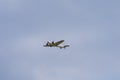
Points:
(59, 42)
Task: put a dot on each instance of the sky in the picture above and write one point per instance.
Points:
(91, 27)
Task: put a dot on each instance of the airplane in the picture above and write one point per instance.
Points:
(56, 44)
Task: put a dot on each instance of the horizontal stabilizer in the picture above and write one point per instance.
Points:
(63, 46)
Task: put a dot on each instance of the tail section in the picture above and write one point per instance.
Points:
(66, 46)
(63, 46)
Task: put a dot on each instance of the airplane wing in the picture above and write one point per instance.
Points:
(59, 42)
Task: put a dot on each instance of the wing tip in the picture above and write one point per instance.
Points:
(62, 40)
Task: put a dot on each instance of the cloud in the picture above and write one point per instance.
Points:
(92, 53)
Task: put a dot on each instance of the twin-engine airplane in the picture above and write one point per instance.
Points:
(56, 44)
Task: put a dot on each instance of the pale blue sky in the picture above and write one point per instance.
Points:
(91, 27)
